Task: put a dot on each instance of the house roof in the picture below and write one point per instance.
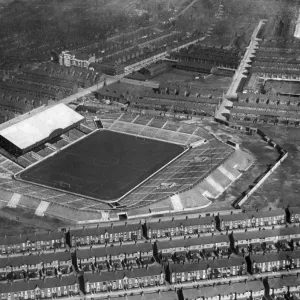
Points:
(284, 281)
(192, 241)
(42, 284)
(193, 64)
(249, 214)
(39, 126)
(266, 233)
(203, 265)
(294, 210)
(115, 250)
(178, 222)
(17, 239)
(149, 295)
(223, 289)
(34, 259)
(275, 256)
(134, 273)
(102, 230)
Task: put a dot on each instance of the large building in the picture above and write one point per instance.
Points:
(31, 130)
(68, 59)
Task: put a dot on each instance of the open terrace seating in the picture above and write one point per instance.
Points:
(127, 117)
(28, 157)
(11, 166)
(187, 129)
(172, 126)
(118, 126)
(180, 138)
(142, 119)
(24, 162)
(87, 127)
(157, 123)
(184, 172)
(164, 135)
(76, 133)
(148, 132)
(132, 128)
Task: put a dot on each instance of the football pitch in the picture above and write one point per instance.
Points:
(105, 165)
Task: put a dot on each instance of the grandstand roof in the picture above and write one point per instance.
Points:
(38, 126)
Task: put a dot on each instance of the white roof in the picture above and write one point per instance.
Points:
(39, 126)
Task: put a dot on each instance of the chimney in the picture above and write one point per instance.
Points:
(199, 216)
(159, 220)
(97, 226)
(125, 223)
(112, 225)
(231, 212)
(186, 217)
(83, 227)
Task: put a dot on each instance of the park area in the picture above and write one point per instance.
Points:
(186, 79)
(105, 165)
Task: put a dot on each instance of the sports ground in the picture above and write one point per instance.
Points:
(105, 165)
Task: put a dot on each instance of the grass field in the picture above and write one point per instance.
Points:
(186, 79)
(105, 165)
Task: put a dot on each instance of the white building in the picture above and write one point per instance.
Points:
(82, 60)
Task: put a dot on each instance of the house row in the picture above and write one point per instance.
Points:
(103, 235)
(49, 288)
(287, 287)
(115, 258)
(27, 243)
(251, 219)
(35, 266)
(268, 100)
(273, 262)
(124, 280)
(151, 229)
(221, 246)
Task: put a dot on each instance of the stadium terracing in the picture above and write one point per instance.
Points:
(40, 136)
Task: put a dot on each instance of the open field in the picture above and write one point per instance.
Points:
(183, 78)
(282, 188)
(105, 165)
(18, 220)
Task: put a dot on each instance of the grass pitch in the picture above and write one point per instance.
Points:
(104, 165)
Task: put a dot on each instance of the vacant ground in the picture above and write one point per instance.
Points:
(283, 87)
(186, 79)
(105, 165)
(18, 220)
(283, 186)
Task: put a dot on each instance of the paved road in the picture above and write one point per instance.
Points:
(239, 74)
(109, 80)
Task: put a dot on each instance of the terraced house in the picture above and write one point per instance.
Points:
(285, 260)
(242, 290)
(269, 241)
(117, 257)
(284, 287)
(32, 242)
(251, 219)
(35, 266)
(50, 288)
(102, 235)
(192, 249)
(177, 273)
(179, 227)
(123, 280)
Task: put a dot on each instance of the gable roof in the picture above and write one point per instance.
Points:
(39, 126)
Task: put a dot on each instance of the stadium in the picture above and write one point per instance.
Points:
(61, 163)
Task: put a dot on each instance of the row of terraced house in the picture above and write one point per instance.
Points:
(121, 257)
